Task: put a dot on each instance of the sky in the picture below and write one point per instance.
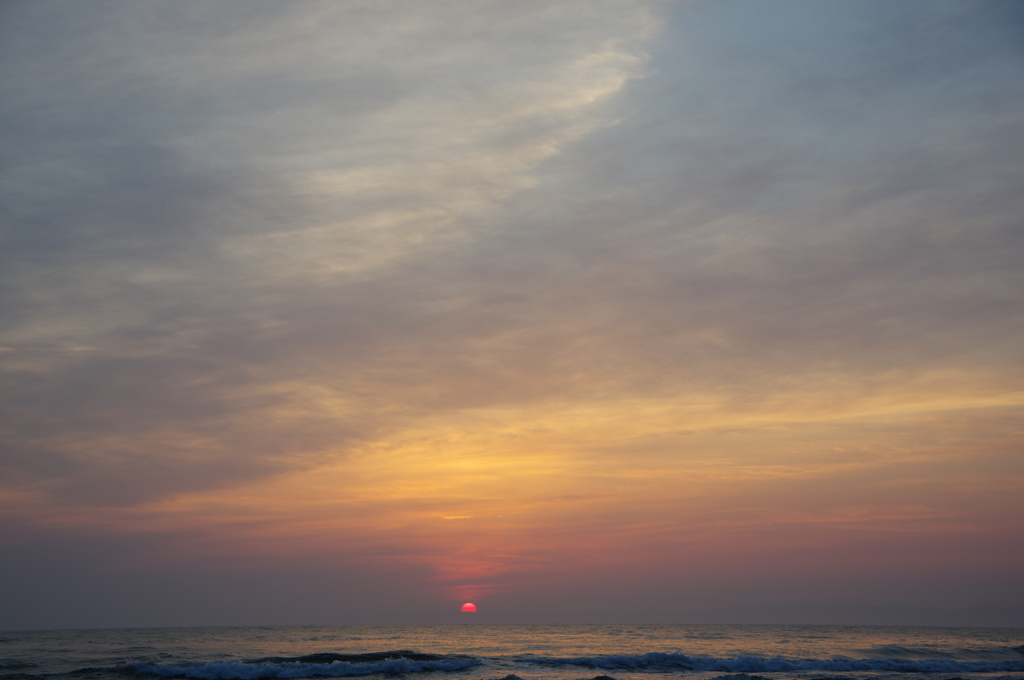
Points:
(350, 311)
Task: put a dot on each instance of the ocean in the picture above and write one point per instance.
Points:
(529, 652)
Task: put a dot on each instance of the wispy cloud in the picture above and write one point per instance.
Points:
(497, 291)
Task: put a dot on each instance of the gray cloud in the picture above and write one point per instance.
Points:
(242, 238)
(180, 216)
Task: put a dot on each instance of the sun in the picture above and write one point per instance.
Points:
(469, 607)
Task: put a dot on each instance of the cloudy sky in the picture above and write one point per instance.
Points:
(348, 311)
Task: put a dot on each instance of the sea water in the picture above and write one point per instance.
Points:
(493, 652)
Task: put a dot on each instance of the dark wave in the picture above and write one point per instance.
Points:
(102, 671)
(658, 661)
(404, 662)
(264, 670)
(16, 665)
(958, 654)
(370, 657)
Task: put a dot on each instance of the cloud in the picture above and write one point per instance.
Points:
(192, 204)
(678, 277)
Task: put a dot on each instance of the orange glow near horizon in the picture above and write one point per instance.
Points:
(502, 499)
